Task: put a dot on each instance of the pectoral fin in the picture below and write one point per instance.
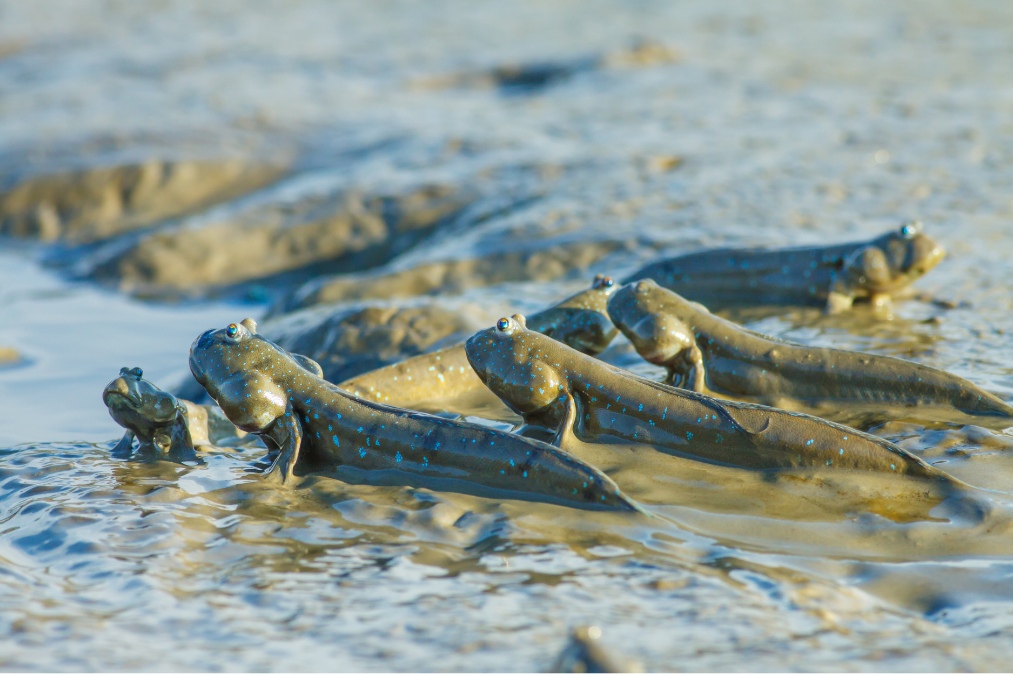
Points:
(181, 446)
(686, 370)
(125, 447)
(882, 304)
(286, 433)
(565, 438)
(838, 302)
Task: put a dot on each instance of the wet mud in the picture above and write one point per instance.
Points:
(374, 182)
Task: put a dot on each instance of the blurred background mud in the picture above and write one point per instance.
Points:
(372, 180)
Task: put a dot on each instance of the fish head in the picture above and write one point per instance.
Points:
(896, 259)
(517, 365)
(249, 376)
(649, 318)
(137, 404)
(580, 321)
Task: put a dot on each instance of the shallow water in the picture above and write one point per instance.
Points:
(800, 124)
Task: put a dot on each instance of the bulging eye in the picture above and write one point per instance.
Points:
(232, 330)
(137, 372)
(909, 230)
(607, 282)
(503, 324)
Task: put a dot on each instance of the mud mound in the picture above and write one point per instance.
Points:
(93, 204)
(342, 232)
(453, 276)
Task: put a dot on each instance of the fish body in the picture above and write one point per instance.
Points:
(315, 425)
(709, 354)
(560, 389)
(831, 276)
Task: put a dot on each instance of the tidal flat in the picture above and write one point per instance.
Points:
(383, 179)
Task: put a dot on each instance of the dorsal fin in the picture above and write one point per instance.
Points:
(308, 364)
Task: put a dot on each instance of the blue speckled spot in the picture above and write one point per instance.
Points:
(842, 451)
(397, 457)
(525, 474)
(362, 452)
(689, 435)
(335, 440)
(809, 442)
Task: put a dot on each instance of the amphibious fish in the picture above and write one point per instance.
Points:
(314, 424)
(709, 354)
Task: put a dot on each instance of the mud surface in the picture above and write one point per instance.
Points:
(170, 167)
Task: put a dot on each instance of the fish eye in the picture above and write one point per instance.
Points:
(137, 372)
(503, 324)
(232, 330)
(909, 230)
(604, 282)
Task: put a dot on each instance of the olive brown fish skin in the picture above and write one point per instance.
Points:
(830, 276)
(580, 321)
(263, 390)
(709, 354)
(162, 424)
(560, 389)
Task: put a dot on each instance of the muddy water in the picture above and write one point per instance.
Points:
(543, 127)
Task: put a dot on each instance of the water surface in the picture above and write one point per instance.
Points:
(796, 124)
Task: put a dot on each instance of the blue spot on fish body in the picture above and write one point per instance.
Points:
(397, 457)
(335, 440)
